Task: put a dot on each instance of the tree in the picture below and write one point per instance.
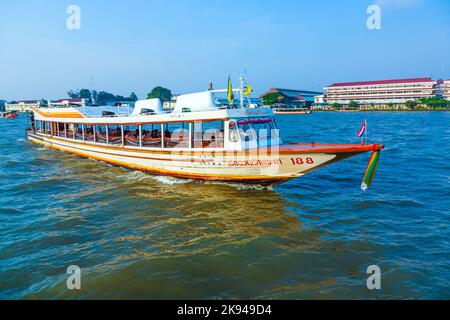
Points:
(160, 93)
(272, 98)
(133, 97)
(85, 94)
(353, 104)
(94, 95)
(104, 97)
(336, 106)
(73, 94)
(411, 104)
(436, 103)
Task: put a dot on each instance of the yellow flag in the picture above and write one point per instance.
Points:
(230, 92)
(248, 90)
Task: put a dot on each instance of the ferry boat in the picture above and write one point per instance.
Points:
(8, 115)
(197, 140)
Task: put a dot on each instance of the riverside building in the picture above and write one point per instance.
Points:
(380, 91)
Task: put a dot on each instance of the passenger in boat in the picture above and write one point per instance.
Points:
(116, 132)
(156, 134)
(130, 135)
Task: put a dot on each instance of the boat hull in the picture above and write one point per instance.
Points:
(263, 166)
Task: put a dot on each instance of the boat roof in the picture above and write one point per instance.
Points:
(124, 115)
(199, 106)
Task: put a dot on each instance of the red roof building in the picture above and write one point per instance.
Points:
(381, 91)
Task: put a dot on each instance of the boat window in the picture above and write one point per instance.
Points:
(114, 134)
(233, 132)
(131, 135)
(60, 129)
(257, 128)
(100, 133)
(176, 135)
(246, 130)
(47, 128)
(89, 132)
(70, 127)
(213, 134)
(208, 134)
(151, 135)
(78, 131)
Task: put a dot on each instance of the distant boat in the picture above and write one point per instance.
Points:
(291, 111)
(8, 115)
(281, 108)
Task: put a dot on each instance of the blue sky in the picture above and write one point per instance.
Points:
(132, 45)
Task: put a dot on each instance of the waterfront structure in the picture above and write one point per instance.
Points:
(24, 105)
(170, 105)
(8, 114)
(293, 98)
(67, 102)
(380, 91)
(446, 89)
(198, 140)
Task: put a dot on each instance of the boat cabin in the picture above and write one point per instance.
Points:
(196, 123)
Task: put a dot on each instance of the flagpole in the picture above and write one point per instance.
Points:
(241, 90)
(365, 133)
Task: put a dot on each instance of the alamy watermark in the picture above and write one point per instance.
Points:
(74, 280)
(374, 20)
(73, 22)
(374, 280)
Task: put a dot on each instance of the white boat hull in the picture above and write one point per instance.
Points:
(262, 167)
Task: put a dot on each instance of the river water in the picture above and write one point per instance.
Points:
(140, 236)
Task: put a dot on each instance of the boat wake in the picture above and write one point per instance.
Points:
(170, 180)
(239, 186)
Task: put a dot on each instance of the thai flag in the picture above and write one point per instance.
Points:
(362, 130)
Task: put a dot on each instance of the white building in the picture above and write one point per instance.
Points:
(380, 91)
(170, 105)
(22, 106)
(65, 103)
(446, 89)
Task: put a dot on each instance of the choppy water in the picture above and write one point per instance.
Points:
(139, 236)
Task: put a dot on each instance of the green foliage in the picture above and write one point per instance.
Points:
(411, 104)
(133, 97)
(353, 104)
(73, 94)
(160, 93)
(100, 98)
(85, 94)
(79, 94)
(104, 97)
(272, 98)
(94, 95)
(436, 103)
(336, 106)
